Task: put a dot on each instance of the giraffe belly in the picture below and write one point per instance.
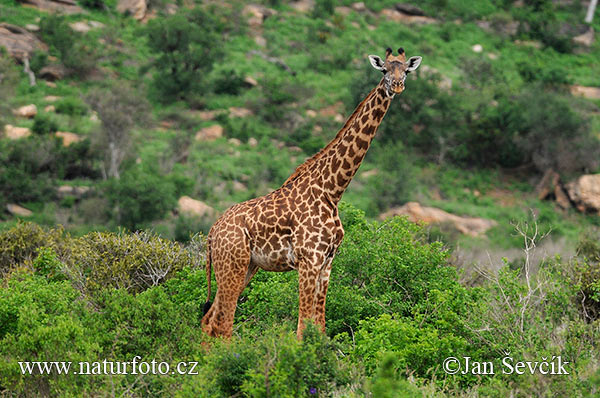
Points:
(282, 260)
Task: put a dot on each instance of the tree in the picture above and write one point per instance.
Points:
(120, 108)
(187, 44)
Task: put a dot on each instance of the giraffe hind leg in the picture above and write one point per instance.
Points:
(232, 271)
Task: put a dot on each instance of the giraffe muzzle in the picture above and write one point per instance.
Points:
(397, 88)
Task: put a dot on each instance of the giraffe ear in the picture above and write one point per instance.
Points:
(377, 62)
(413, 64)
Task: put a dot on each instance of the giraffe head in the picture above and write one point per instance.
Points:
(395, 68)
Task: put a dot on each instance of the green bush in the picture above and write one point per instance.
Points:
(187, 45)
(140, 196)
(25, 242)
(44, 124)
(133, 262)
(78, 57)
(71, 107)
(43, 321)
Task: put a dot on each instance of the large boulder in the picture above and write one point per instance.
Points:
(68, 138)
(193, 207)
(19, 42)
(585, 193)
(26, 111)
(15, 133)
(257, 14)
(17, 210)
(210, 133)
(58, 6)
(585, 91)
(416, 213)
(53, 72)
(136, 8)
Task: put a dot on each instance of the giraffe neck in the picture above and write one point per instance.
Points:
(334, 166)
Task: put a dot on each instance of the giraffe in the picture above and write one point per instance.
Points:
(297, 226)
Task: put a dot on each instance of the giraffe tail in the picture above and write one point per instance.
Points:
(208, 279)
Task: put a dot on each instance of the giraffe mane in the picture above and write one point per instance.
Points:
(340, 134)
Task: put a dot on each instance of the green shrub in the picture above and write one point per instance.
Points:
(187, 45)
(44, 124)
(415, 346)
(23, 244)
(78, 57)
(133, 262)
(229, 82)
(43, 321)
(71, 107)
(140, 196)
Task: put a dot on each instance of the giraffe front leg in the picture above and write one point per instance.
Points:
(308, 272)
(321, 293)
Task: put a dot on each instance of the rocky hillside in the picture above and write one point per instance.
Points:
(160, 114)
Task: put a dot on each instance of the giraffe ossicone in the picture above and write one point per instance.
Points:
(297, 227)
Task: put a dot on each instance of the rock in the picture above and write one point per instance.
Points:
(343, 10)
(304, 6)
(27, 111)
(234, 141)
(250, 81)
(586, 92)
(257, 14)
(80, 27)
(32, 27)
(360, 7)
(261, 41)
(14, 133)
(210, 133)
(311, 113)
(295, 149)
(339, 118)
(68, 138)
(53, 72)
(492, 56)
(550, 187)
(416, 213)
(397, 16)
(68, 190)
(136, 8)
(585, 193)
(331, 110)
(55, 6)
(50, 108)
(585, 39)
(96, 24)
(51, 98)
(238, 186)
(239, 112)
(409, 9)
(252, 142)
(17, 210)
(194, 207)
(50, 84)
(206, 115)
(477, 48)
(19, 42)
